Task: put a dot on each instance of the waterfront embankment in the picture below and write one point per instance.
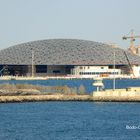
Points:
(69, 77)
(86, 98)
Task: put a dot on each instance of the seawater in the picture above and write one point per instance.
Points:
(87, 83)
(69, 121)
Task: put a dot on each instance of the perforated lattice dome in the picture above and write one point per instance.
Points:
(64, 52)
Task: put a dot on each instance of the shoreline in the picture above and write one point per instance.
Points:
(80, 98)
(18, 78)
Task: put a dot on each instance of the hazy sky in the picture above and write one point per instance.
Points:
(96, 20)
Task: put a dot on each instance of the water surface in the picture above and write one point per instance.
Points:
(87, 83)
(69, 121)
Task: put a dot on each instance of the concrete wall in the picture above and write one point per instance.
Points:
(129, 92)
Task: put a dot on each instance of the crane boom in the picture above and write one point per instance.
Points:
(129, 64)
(128, 37)
(3, 69)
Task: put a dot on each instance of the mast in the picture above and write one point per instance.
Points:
(132, 39)
(114, 63)
(32, 63)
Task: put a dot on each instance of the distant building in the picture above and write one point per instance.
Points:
(61, 57)
(95, 71)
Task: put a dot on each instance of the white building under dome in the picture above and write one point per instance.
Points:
(96, 71)
(62, 57)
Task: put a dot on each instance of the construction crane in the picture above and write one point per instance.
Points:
(132, 38)
(129, 64)
(5, 67)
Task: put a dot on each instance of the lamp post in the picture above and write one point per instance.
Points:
(32, 63)
(114, 63)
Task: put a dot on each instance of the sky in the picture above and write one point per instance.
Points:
(103, 21)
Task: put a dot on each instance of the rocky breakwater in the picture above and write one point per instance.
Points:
(35, 98)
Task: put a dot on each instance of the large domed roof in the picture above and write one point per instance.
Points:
(64, 52)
